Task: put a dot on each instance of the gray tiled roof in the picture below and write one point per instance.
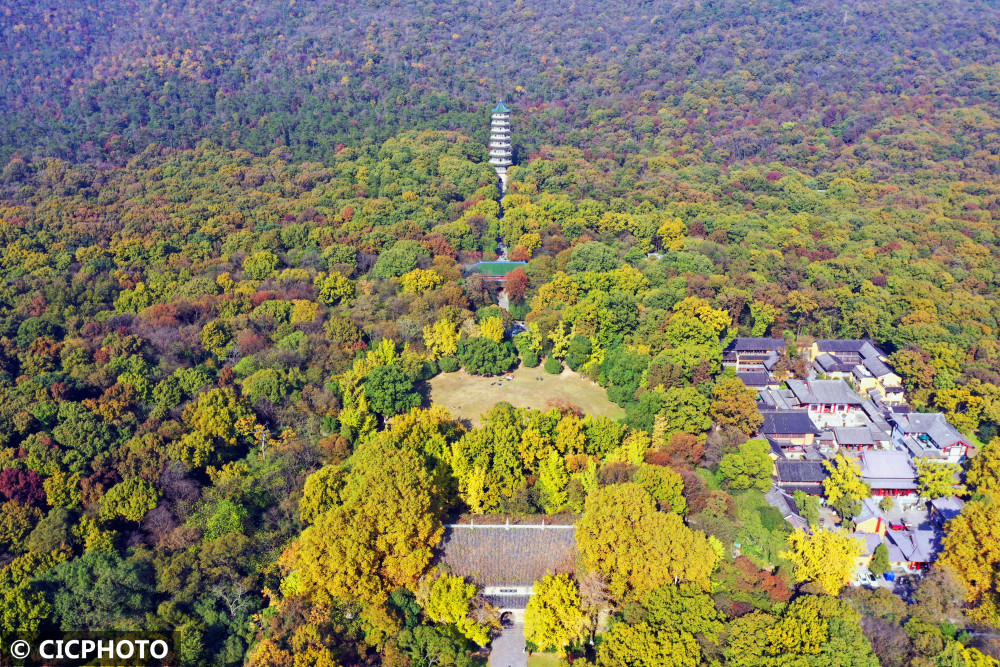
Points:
(777, 399)
(835, 345)
(771, 361)
(508, 601)
(755, 344)
(888, 469)
(948, 508)
(825, 392)
(779, 422)
(801, 471)
(915, 546)
(517, 556)
(869, 351)
(869, 510)
(854, 436)
(869, 542)
(877, 367)
(863, 347)
(755, 379)
(933, 424)
(785, 503)
(829, 364)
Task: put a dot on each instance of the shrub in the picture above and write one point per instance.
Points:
(530, 359)
(448, 364)
(553, 365)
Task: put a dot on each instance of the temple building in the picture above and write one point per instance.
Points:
(500, 150)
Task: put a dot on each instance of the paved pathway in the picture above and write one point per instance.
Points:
(508, 648)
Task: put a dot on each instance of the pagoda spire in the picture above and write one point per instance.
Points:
(500, 149)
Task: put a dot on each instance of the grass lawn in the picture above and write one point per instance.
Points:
(543, 660)
(469, 396)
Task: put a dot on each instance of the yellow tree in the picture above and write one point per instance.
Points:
(552, 480)
(560, 337)
(448, 599)
(972, 552)
(825, 557)
(671, 234)
(845, 488)
(936, 478)
(637, 548)
(420, 280)
(570, 437)
(441, 338)
(984, 470)
(735, 404)
(553, 617)
(492, 328)
(379, 538)
(334, 288)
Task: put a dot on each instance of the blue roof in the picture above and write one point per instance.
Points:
(501, 108)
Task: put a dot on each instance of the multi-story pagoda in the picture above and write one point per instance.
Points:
(500, 152)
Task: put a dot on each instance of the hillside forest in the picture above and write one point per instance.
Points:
(234, 244)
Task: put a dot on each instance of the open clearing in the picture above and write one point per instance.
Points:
(543, 660)
(469, 396)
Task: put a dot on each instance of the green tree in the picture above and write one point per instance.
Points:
(100, 590)
(260, 265)
(391, 391)
(129, 500)
(664, 485)
(684, 409)
(880, 561)
(592, 256)
(553, 366)
(578, 352)
(216, 337)
(437, 645)
(812, 630)
(23, 606)
(553, 618)
(267, 383)
(83, 432)
(487, 460)
(684, 608)
(401, 258)
(748, 468)
(808, 507)
(482, 356)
